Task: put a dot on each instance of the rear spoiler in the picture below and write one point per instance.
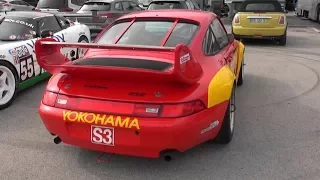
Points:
(185, 68)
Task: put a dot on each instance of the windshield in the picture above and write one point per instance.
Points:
(150, 33)
(52, 4)
(96, 6)
(166, 5)
(16, 29)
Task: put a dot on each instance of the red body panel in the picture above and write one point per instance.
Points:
(155, 135)
(183, 82)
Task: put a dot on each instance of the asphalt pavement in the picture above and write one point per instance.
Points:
(277, 135)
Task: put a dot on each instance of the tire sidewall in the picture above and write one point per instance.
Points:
(17, 82)
(82, 38)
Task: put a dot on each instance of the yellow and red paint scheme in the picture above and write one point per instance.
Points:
(207, 79)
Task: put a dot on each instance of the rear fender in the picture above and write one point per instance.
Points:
(220, 87)
(241, 50)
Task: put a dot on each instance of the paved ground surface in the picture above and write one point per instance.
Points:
(277, 129)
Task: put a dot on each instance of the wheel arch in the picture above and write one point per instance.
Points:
(241, 51)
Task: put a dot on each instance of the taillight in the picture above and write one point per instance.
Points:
(36, 9)
(107, 15)
(49, 98)
(129, 109)
(65, 9)
(182, 109)
(7, 4)
(282, 20)
(236, 19)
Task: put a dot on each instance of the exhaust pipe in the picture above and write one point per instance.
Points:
(57, 140)
(272, 38)
(168, 158)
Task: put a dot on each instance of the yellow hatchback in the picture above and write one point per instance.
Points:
(261, 19)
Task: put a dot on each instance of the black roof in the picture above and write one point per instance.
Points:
(276, 4)
(27, 14)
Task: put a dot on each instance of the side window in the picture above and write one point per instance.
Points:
(118, 6)
(135, 6)
(15, 2)
(126, 6)
(23, 3)
(78, 2)
(64, 23)
(49, 23)
(209, 45)
(219, 33)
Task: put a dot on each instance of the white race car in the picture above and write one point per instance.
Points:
(18, 33)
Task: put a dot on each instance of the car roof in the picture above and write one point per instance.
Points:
(193, 15)
(28, 14)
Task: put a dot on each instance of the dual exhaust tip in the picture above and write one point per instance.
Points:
(166, 157)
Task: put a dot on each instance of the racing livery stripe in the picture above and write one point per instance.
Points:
(220, 86)
(240, 57)
(33, 81)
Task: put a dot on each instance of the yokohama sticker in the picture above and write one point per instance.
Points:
(184, 58)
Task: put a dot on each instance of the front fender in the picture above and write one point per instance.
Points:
(240, 58)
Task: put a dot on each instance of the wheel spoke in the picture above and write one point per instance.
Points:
(3, 77)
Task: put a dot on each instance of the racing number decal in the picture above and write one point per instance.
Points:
(102, 135)
(26, 68)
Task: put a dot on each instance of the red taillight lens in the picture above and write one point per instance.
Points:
(107, 15)
(236, 19)
(49, 98)
(36, 9)
(7, 4)
(65, 9)
(282, 20)
(130, 109)
(183, 109)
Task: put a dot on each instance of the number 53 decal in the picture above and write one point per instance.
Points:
(26, 68)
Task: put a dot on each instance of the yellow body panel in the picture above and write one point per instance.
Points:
(220, 86)
(270, 27)
(240, 55)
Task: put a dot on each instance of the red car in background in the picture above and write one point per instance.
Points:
(152, 83)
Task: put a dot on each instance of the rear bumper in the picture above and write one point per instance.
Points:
(153, 137)
(275, 32)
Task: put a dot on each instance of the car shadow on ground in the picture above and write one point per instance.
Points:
(183, 161)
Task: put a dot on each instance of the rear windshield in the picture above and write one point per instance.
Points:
(263, 6)
(16, 29)
(52, 4)
(96, 6)
(167, 5)
(150, 33)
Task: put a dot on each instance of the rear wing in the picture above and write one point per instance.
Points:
(183, 67)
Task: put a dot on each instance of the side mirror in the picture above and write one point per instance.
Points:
(46, 33)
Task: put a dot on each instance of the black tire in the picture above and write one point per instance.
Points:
(81, 39)
(16, 80)
(226, 132)
(283, 39)
(240, 78)
(12, 9)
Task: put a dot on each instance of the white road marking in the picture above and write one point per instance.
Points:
(316, 30)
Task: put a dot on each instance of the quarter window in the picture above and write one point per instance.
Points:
(220, 34)
(210, 45)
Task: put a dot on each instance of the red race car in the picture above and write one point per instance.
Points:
(152, 83)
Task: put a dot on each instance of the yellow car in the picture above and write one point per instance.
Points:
(261, 19)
